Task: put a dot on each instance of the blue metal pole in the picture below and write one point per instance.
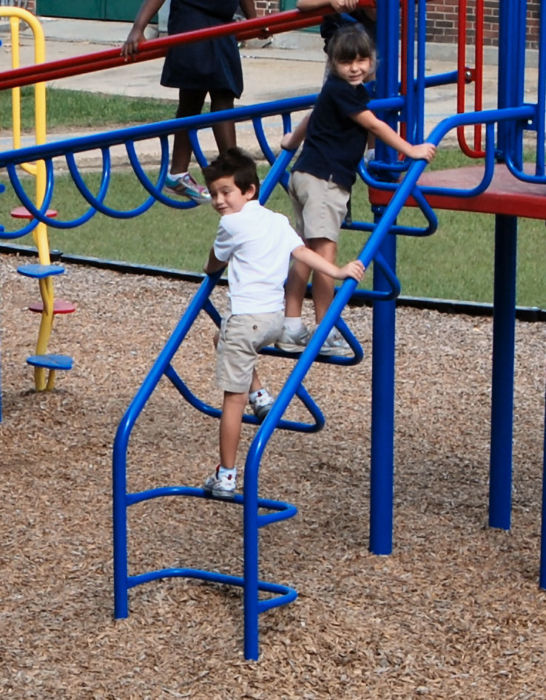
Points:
(250, 521)
(502, 392)
(543, 536)
(382, 437)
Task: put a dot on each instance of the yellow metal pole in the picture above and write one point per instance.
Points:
(17, 14)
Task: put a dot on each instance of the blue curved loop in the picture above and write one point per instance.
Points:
(156, 190)
(196, 147)
(257, 123)
(98, 202)
(38, 213)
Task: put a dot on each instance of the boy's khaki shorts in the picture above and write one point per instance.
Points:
(241, 337)
(319, 205)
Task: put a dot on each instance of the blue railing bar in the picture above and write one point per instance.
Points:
(213, 412)
(212, 311)
(265, 605)
(212, 576)
(521, 175)
(162, 362)
(428, 213)
(275, 173)
(267, 518)
(390, 276)
(154, 129)
(157, 129)
(196, 492)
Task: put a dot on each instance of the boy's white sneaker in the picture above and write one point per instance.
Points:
(335, 345)
(221, 486)
(261, 403)
(293, 341)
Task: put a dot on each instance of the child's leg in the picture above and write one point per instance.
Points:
(190, 102)
(224, 132)
(296, 285)
(323, 285)
(230, 427)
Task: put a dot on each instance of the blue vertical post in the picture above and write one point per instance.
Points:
(543, 536)
(382, 438)
(250, 593)
(502, 391)
(384, 318)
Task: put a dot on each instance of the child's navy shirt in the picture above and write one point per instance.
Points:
(335, 143)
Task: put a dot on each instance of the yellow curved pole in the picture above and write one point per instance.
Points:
(17, 14)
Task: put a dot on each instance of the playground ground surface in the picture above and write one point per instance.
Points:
(454, 612)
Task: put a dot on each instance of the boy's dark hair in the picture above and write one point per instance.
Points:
(234, 162)
(349, 42)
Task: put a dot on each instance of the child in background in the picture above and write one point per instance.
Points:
(257, 245)
(212, 66)
(325, 171)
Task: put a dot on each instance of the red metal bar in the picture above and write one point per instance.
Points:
(474, 75)
(155, 48)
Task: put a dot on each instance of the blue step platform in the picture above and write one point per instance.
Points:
(39, 271)
(51, 361)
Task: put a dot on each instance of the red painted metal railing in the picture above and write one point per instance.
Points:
(467, 75)
(155, 48)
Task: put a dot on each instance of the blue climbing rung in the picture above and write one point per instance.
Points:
(39, 271)
(51, 361)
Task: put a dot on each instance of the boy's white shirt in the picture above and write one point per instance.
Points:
(256, 243)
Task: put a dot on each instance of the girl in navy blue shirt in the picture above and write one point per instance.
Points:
(325, 171)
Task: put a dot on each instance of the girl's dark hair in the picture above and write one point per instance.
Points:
(234, 162)
(349, 42)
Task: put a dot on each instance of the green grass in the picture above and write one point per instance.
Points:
(454, 263)
(79, 109)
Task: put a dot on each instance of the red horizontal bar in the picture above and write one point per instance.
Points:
(155, 48)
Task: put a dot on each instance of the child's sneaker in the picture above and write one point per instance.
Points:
(261, 402)
(186, 186)
(293, 341)
(221, 486)
(335, 345)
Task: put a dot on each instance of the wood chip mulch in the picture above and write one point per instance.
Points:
(454, 612)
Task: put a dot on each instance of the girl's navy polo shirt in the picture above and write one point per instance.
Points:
(335, 143)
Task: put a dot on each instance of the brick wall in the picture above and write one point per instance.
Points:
(442, 20)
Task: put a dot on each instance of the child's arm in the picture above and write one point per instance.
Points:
(354, 269)
(147, 10)
(213, 264)
(383, 131)
(248, 7)
(292, 139)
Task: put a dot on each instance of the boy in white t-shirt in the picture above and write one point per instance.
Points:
(257, 245)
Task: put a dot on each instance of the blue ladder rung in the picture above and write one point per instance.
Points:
(39, 271)
(51, 361)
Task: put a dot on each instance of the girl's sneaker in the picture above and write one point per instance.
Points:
(185, 185)
(220, 486)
